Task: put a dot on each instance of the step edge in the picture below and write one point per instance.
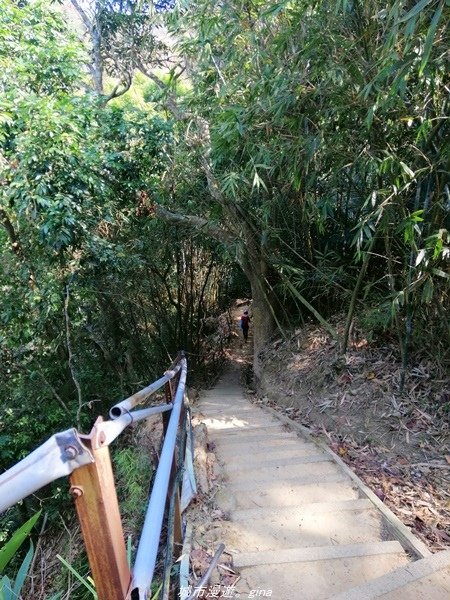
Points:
(307, 480)
(409, 541)
(275, 463)
(397, 579)
(316, 553)
(252, 514)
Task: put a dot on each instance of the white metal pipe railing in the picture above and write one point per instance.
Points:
(146, 555)
(126, 405)
(60, 455)
(64, 452)
(113, 428)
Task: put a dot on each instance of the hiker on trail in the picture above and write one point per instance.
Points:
(245, 323)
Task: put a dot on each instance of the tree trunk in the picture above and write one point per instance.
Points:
(97, 60)
(251, 258)
(257, 269)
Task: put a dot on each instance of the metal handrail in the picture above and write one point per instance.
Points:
(144, 565)
(59, 456)
(126, 405)
(67, 452)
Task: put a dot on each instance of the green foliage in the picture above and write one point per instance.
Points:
(328, 131)
(315, 136)
(133, 472)
(12, 590)
(376, 319)
(87, 582)
(9, 550)
(79, 180)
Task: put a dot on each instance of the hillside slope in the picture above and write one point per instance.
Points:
(399, 444)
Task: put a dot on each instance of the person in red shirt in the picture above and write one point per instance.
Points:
(245, 324)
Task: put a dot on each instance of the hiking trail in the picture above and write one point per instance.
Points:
(301, 524)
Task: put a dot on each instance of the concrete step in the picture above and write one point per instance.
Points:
(223, 396)
(237, 424)
(252, 463)
(211, 411)
(249, 433)
(304, 490)
(317, 553)
(237, 413)
(305, 529)
(302, 526)
(218, 405)
(260, 442)
(281, 486)
(223, 402)
(313, 466)
(216, 410)
(425, 579)
(233, 455)
(315, 580)
(247, 514)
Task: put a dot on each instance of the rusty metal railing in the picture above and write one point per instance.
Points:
(86, 459)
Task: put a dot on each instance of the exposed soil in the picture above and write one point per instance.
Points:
(399, 444)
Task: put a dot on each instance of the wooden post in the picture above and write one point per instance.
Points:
(94, 492)
(177, 528)
(168, 392)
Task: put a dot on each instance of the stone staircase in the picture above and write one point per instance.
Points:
(302, 525)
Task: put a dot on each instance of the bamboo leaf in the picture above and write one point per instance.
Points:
(407, 169)
(441, 273)
(258, 182)
(129, 550)
(22, 573)
(6, 589)
(157, 592)
(411, 27)
(369, 117)
(311, 308)
(274, 9)
(430, 37)
(80, 578)
(17, 539)
(415, 10)
(420, 256)
(427, 291)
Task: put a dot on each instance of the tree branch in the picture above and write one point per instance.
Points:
(203, 139)
(69, 350)
(197, 223)
(172, 106)
(55, 393)
(116, 92)
(86, 21)
(5, 221)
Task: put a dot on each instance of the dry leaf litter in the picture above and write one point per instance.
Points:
(398, 443)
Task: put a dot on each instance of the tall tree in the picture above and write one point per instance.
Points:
(313, 129)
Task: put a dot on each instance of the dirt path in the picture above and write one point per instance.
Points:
(298, 523)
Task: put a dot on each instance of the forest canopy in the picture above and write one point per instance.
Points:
(142, 146)
(158, 159)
